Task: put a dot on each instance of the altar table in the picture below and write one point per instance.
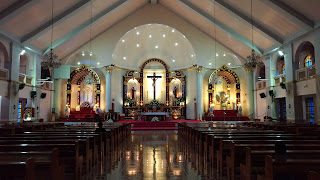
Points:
(147, 116)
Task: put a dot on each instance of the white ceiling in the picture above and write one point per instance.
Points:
(275, 21)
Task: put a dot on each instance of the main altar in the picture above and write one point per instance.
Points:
(154, 88)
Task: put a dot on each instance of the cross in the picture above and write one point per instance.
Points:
(154, 78)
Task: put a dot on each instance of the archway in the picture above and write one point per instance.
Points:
(224, 89)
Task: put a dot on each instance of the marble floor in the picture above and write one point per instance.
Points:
(154, 155)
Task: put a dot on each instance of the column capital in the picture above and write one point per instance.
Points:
(198, 68)
(109, 68)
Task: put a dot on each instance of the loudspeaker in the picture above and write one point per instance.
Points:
(283, 85)
(271, 93)
(33, 94)
(21, 86)
(263, 95)
(43, 95)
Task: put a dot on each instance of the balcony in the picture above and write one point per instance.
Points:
(23, 78)
(261, 84)
(305, 73)
(4, 74)
(280, 78)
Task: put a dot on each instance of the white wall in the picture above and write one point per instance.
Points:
(45, 106)
(306, 87)
(191, 84)
(261, 105)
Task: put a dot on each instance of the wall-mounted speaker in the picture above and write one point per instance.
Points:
(271, 93)
(21, 86)
(33, 94)
(43, 95)
(263, 95)
(283, 85)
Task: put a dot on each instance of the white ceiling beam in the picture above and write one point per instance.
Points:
(289, 12)
(16, 9)
(256, 24)
(56, 21)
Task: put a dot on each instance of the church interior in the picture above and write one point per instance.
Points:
(160, 89)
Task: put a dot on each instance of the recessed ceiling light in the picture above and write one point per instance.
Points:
(83, 54)
(98, 63)
(217, 54)
(172, 30)
(163, 35)
(138, 45)
(184, 36)
(224, 54)
(22, 52)
(191, 55)
(123, 40)
(229, 64)
(209, 64)
(78, 63)
(149, 24)
(124, 58)
(135, 27)
(138, 33)
(173, 60)
(280, 53)
(90, 53)
(156, 47)
(176, 44)
(150, 36)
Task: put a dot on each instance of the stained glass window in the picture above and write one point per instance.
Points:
(310, 109)
(307, 61)
(283, 69)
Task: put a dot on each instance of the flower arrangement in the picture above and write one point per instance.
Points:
(128, 102)
(154, 103)
(155, 119)
(85, 105)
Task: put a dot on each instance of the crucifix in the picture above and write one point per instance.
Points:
(154, 78)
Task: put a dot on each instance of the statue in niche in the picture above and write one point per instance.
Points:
(133, 92)
(175, 92)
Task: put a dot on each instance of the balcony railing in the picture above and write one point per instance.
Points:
(4, 74)
(305, 73)
(261, 84)
(280, 78)
(23, 78)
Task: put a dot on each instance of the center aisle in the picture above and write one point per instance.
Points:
(148, 155)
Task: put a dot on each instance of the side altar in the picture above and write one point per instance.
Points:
(154, 90)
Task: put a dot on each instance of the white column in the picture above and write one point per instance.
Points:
(199, 92)
(250, 92)
(317, 64)
(271, 72)
(55, 98)
(14, 84)
(293, 102)
(108, 88)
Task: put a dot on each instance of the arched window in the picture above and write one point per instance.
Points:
(307, 61)
(283, 69)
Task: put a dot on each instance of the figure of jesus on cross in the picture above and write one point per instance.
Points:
(154, 78)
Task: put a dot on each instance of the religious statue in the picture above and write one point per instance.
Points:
(133, 92)
(175, 92)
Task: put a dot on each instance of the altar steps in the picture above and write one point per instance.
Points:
(166, 125)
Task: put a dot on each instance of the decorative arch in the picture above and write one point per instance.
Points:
(167, 76)
(228, 74)
(307, 47)
(78, 75)
(5, 52)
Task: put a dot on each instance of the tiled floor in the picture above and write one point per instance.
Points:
(154, 155)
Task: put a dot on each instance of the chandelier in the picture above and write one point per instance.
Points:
(50, 60)
(252, 60)
(89, 80)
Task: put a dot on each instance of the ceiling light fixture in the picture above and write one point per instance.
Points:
(83, 54)
(253, 59)
(163, 35)
(172, 30)
(173, 60)
(123, 40)
(150, 36)
(124, 58)
(138, 45)
(156, 47)
(280, 53)
(22, 52)
(78, 63)
(50, 60)
(176, 44)
(138, 33)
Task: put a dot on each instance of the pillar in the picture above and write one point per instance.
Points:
(317, 64)
(293, 102)
(55, 98)
(108, 87)
(271, 72)
(14, 82)
(250, 93)
(199, 92)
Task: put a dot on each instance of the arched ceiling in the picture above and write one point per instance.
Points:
(27, 22)
(154, 41)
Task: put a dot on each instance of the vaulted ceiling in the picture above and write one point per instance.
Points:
(275, 22)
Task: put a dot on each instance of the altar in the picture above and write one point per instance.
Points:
(147, 116)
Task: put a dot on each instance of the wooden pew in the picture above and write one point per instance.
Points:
(45, 162)
(313, 175)
(17, 169)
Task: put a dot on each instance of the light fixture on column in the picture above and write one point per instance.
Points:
(89, 80)
(50, 60)
(253, 59)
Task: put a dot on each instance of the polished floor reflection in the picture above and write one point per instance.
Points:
(151, 155)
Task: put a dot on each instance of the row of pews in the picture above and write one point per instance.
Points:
(247, 151)
(42, 151)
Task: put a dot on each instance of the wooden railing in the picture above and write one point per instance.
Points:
(23, 78)
(4, 74)
(280, 78)
(305, 73)
(261, 84)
